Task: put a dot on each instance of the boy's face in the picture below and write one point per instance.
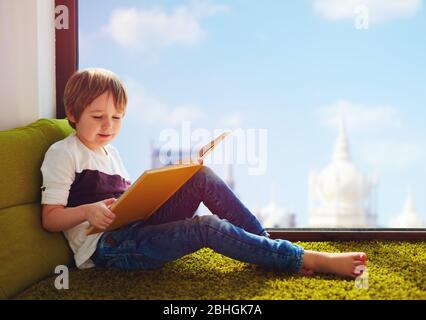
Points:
(99, 123)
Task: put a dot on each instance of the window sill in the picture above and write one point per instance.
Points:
(347, 234)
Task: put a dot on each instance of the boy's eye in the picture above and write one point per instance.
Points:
(100, 117)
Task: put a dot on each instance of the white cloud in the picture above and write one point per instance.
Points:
(360, 117)
(378, 10)
(152, 29)
(183, 113)
(393, 154)
(233, 120)
(370, 126)
(149, 110)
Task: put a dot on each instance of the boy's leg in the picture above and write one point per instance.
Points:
(148, 247)
(205, 186)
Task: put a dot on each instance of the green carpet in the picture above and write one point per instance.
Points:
(396, 270)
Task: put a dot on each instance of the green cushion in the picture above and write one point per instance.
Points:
(21, 153)
(27, 252)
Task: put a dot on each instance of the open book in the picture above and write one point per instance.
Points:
(153, 188)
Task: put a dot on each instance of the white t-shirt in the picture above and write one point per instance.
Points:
(74, 175)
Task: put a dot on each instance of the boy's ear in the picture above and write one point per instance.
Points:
(70, 116)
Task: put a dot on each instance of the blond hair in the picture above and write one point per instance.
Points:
(86, 85)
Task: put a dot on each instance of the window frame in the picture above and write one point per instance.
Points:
(348, 234)
(66, 47)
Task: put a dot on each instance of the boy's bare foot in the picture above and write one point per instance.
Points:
(349, 264)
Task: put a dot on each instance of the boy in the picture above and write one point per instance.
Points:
(83, 175)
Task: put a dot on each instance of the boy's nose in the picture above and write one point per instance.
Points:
(107, 124)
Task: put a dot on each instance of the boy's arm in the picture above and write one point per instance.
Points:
(57, 218)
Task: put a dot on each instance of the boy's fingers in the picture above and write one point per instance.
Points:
(109, 201)
(108, 220)
(110, 214)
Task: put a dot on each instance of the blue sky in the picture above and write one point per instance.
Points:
(284, 66)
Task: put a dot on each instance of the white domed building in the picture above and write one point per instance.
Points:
(340, 196)
(274, 216)
(409, 217)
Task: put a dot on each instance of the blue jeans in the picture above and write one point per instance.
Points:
(174, 231)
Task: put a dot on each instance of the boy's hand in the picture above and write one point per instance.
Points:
(99, 214)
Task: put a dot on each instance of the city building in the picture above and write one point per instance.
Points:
(340, 195)
(408, 218)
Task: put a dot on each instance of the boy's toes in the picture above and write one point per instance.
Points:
(358, 262)
(359, 256)
(359, 269)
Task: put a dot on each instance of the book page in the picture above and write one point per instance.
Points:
(205, 150)
(209, 147)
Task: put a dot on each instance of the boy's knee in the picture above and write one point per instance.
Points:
(205, 171)
(203, 175)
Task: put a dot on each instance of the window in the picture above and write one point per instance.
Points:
(326, 105)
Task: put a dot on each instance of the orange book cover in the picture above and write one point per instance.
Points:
(153, 188)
